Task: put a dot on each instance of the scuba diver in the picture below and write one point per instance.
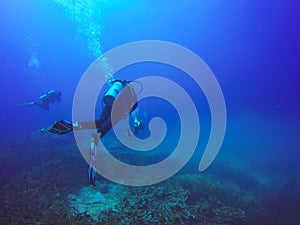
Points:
(120, 93)
(127, 103)
(51, 96)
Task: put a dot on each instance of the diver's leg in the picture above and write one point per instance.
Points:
(28, 104)
(105, 116)
(105, 128)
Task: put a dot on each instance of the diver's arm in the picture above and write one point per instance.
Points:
(105, 116)
(43, 105)
(84, 125)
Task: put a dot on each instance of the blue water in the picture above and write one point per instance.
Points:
(252, 47)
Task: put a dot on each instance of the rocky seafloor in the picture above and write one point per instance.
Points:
(49, 186)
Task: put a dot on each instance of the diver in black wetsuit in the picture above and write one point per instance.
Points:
(51, 96)
(121, 94)
(124, 97)
(127, 103)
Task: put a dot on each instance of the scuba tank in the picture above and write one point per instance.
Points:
(113, 91)
(122, 95)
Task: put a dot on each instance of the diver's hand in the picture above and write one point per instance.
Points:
(76, 126)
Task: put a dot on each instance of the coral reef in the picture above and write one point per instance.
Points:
(169, 203)
(92, 200)
(51, 188)
(183, 199)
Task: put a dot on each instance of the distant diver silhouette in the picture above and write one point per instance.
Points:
(51, 96)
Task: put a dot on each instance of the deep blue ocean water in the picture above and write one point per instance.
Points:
(252, 47)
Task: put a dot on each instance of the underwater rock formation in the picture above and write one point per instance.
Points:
(92, 201)
(179, 200)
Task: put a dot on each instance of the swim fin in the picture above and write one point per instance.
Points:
(61, 127)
